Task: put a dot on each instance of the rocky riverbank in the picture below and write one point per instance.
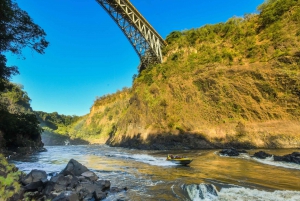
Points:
(74, 182)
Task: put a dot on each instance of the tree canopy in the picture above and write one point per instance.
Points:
(17, 31)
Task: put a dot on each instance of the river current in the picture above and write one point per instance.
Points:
(148, 176)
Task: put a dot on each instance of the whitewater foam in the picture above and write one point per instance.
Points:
(201, 192)
(245, 194)
(144, 158)
(270, 161)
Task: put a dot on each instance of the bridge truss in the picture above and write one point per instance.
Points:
(145, 40)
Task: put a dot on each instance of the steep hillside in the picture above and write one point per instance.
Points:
(104, 116)
(19, 126)
(56, 128)
(230, 84)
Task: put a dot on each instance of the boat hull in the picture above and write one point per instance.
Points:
(181, 161)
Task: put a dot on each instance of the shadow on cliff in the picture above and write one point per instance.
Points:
(167, 141)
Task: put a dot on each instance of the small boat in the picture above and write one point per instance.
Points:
(180, 160)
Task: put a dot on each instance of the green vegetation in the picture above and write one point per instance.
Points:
(234, 82)
(9, 179)
(19, 127)
(57, 128)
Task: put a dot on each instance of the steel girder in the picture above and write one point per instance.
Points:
(145, 40)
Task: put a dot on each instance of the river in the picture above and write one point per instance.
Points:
(148, 176)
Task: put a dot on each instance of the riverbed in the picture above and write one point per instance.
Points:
(148, 176)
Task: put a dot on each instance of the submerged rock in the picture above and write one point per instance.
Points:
(261, 155)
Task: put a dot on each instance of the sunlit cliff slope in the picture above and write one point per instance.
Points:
(230, 84)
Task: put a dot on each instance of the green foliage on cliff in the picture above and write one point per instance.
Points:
(18, 124)
(57, 127)
(54, 120)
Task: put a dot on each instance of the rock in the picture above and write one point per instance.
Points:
(74, 181)
(229, 152)
(42, 149)
(61, 180)
(117, 190)
(67, 196)
(90, 175)
(99, 195)
(52, 174)
(34, 176)
(59, 188)
(88, 187)
(290, 158)
(74, 168)
(103, 184)
(34, 186)
(242, 151)
(48, 188)
(82, 179)
(261, 155)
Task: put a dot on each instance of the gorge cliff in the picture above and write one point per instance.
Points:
(229, 84)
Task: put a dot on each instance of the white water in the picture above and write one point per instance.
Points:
(144, 158)
(245, 194)
(149, 176)
(270, 161)
(201, 193)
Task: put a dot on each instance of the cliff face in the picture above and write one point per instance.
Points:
(230, 84)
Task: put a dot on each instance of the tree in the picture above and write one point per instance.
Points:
(17, 30)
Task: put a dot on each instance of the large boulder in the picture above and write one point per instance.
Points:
(229, 152)
(35, 180)
(261, 155)
(34, 176)
(102, 184)
(99, 194)
(74, 168)
(90, 175)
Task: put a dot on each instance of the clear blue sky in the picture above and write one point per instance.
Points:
(89, 56)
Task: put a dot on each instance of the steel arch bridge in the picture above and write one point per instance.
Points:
(143, 37)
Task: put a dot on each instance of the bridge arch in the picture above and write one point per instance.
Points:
(142, 36)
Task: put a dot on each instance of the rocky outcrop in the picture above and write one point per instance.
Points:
(231, 152)
(74, 182)
(290, 158)
(261, 155)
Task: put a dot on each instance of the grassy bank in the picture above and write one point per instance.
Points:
(9, 180)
